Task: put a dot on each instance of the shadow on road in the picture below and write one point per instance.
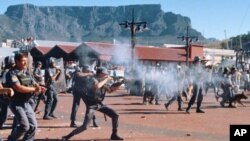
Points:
(71, 140)
(119, 95)
(126, 104)
(147, 113)
(53, 126)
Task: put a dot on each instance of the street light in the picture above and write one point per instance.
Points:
(188, 39)
(134, 28)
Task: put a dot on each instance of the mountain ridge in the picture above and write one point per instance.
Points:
(93, 23)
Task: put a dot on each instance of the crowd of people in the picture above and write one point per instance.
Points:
(181, 83)
(22, 91)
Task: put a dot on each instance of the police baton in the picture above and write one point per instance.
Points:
(105, 117)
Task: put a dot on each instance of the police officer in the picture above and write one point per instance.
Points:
(95, 95)
(38, 72)
(24, 87)
(197, 85)
(179, 83)
(4, 101)
(38, 75)
(5, 94)
(51, 75)
(80, 83)
(150, 88)
(227, 86)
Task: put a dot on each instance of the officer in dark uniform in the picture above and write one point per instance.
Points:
(150, 89)
(24, 87)
(177, 94)
(38, 72)
(38, 75)
(5, 94)
(95, 95)
(51, 75)
(4, 101)
(197, 86)
(80, 83)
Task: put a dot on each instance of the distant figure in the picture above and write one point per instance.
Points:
(38, 75)
(51, 76)
(197, 86)
(70, 70)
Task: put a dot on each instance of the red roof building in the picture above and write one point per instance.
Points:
(108, 51)
(40, 50)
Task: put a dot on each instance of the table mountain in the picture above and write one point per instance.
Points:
(79, 23)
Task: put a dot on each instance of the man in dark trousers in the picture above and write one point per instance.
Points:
(24, 87)
(51, 75)
(80, 85)
(4, 101)
(5, 95)
(38, 75)
(95, 95)
(197, 75)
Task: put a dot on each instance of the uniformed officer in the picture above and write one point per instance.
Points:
(80, 83)
(38, 75)
(150, 88)
(4, 101)
(226, 86)
(95, 95)
(5, 94)
(24, 87)
(179, 83)
(197, 86)
(51, 75)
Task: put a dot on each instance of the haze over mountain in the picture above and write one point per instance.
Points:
(78, 23)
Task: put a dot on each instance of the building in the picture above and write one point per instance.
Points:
(88, 52)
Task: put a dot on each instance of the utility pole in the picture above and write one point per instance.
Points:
(226, 38)
(134, 27)
(188, 40)
(240, 41)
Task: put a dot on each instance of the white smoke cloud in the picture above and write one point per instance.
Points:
(122, 52)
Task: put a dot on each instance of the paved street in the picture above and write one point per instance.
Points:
(139, 122)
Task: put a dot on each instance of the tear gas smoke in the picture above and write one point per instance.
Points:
(171, 78)
(121, 52)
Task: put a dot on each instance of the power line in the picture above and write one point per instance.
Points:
(243, 19)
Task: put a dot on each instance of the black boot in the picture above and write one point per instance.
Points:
(180, 109)
(166, 105)
(198, 110)
(231, 105)
(157, 103)
(73, 124)
(114, 136)
(66, 138)
(188, 108)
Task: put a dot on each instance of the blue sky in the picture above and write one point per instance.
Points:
(213, 18)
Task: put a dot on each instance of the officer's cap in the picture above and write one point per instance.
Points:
(39, 63)
(51, 60)
(101, 70)
(86, 68)
(197, 59)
